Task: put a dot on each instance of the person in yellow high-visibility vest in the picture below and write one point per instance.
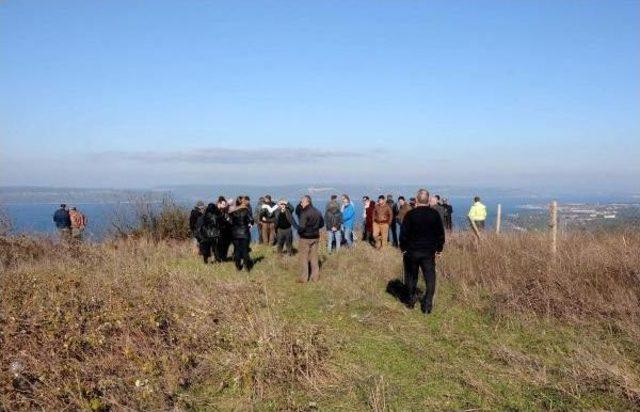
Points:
(478, 213)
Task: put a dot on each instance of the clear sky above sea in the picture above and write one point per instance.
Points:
(146, 93)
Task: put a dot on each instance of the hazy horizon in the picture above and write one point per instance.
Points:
(530, 94)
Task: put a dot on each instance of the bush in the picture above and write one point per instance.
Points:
(148, 219)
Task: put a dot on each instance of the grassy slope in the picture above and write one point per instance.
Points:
(386, 356)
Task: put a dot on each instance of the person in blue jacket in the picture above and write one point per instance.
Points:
(348, 219)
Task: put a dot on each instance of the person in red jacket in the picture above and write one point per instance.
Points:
(367, 215)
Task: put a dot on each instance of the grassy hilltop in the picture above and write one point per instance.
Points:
(145, 325)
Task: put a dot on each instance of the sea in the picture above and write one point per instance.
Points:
(37, 218)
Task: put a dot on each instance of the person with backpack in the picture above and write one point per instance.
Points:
(208, 233)
(63, 222)
(348, 219)
(333, 221)
(241, 223)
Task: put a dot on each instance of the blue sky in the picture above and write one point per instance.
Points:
(131, 94)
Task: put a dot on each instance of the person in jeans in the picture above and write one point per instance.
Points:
(241, 223)
(63, 222)
(284, 232)
(333, 222)
(421, 238)
(348, 219)
(382, 216)
(309, 225)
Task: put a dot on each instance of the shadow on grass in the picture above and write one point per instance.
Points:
(398, 290)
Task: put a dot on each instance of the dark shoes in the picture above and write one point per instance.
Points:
(426, 308)
(411, 302)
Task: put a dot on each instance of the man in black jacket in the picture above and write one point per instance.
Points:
(284, 233)
(393, 232)
(310, 223)
(196, 212)
(63, 222)
(421, 238)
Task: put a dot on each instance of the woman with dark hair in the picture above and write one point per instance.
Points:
(208, 233)
(241, 223)
(224, 223)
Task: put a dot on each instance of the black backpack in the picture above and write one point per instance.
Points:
(208, 227)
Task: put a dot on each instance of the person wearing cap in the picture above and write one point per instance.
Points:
(283, 222)
(63, 222)
(78, 223)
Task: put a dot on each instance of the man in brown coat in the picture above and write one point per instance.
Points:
(382, 216)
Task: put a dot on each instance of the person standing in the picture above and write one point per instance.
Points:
(403, 208)
(284, 232)
(348, 219)
(478, 213)
(333, 222)
(256, 217)
(241, 223)
(367, 216)
(448, 214)
(267, 220)
(382, 216)
(421, 238)
(78, 223)
(434, 202)
(309, 225)
(224, 223)
(208, 233)
(63, 222)
(393, 234)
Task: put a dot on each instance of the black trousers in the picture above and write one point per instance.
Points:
(284, 237)
(241, 253)
(413, 263)
(223, 246)
(394, 232)
(207, 246)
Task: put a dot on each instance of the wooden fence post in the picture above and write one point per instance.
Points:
(498, 218)
(553, 225)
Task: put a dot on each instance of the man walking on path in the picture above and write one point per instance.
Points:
(63, 222)
(478, 213)
(309, 225)
(421, 238)
(78, 223)
(382, 216)
(333, 221)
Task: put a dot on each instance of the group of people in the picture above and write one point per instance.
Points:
(70, 223)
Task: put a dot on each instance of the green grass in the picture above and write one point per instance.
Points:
(459, 357)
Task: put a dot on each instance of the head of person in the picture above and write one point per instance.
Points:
(211, 208)
(445, 201)
(365, 200)
(382, 200)
(345, 199)
(476, 199)
(437, 198)
(422, 197)
(222, 202)
(412, 201)
(245, 201)
(267, 198)
(63, 206)
(74, 208)
(200, 205)
(389, 197)
(239, 200)
(334, 198)
(282, 203)
(401, 200)
(261, 200)
(305, 201)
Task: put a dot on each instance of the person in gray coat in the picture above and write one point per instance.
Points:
(333, 223)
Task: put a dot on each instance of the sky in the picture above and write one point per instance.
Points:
(151, 93)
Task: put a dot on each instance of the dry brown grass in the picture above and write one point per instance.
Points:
(132, 325)
(594, 275)
(116, 326)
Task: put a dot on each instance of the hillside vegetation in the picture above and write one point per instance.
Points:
(143, 324)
